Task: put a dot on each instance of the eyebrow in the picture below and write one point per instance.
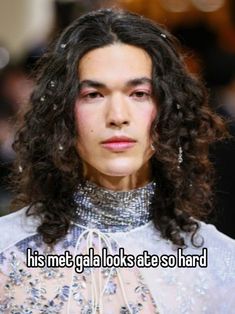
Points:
(130, 83)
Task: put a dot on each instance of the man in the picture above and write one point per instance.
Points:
(113, 170)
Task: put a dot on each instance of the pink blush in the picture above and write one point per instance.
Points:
(81, 114)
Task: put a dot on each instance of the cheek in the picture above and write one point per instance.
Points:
(84, 121)
(153, 114)
(147, 117)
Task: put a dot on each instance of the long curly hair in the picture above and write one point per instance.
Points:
(46, 177)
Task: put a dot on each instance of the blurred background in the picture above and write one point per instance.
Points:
(205, 28)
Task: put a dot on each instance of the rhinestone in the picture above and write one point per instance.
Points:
(114, 211)
(52, 83)
(111, 288)
(178, 106)
(163, 35)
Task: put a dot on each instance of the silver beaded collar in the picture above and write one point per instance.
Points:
(113, 211)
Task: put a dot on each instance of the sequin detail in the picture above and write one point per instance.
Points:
(111, 211)
(110, 290)
(62, 296)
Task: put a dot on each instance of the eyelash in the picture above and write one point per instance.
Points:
(144, 94)
(87, 96)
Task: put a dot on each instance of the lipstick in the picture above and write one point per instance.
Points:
(118, 143)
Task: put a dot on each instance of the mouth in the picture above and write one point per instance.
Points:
(118, 143)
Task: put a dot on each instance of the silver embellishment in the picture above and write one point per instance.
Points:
(63, 293)
(63, 46)
(178, 106)
(114, 211)
(180, 155)
(17, 274)
(163, 35)
(110, 288)
(52, 84)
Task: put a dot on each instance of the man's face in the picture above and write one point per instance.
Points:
(115, 100)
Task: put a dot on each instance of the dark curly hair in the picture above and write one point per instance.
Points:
(45, 177)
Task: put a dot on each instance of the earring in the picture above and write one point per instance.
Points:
(152, 147)
(180, 155)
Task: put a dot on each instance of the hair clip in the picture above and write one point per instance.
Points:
(178, 106)
(52, 84)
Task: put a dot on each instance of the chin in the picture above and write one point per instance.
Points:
(119, 170)
(118, 173)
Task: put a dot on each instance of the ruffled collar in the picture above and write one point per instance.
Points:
(113, 211)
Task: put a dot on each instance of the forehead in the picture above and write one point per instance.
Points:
(115, 63)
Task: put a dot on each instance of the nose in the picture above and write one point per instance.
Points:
(117, 111)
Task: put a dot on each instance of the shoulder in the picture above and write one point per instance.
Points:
(213, 237)
(220, 254)
(15, 227)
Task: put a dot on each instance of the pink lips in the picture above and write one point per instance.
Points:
(118, 143)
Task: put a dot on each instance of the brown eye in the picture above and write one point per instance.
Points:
(93, 95)
(140, 95)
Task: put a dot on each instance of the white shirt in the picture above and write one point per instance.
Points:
(174, 290)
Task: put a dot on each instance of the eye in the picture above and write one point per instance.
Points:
(141, 95)
(92, 95)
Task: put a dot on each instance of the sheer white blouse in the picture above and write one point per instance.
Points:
(33, 285)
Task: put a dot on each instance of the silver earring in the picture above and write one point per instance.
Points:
(180, 155)
(61, 147)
